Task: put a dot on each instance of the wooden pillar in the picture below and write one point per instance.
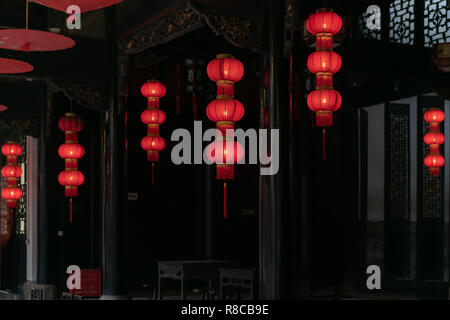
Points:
(43, 256)
(110, 163)
(270, 187)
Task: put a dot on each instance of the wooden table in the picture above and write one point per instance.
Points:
(190, 269)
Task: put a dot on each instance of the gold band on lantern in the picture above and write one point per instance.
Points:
(153, 80)
(225, 83)
(224, 165)
(71, 187)
(11, 142)
(153, 98)
(324, 75)
(153, 108)
(224, 56)
(70, 114)
(224, 97)
(224, 138)
(152, 152)
(324, 112)
(71, 169)
(225, 123)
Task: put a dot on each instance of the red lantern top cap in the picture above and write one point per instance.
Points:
(224, 56)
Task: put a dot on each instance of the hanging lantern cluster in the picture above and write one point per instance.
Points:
(434, 138)
(225, 110)
(71, 178)
(153, 117)
(11, 172)
(324, 100)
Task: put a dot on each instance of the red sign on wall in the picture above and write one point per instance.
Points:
(91, 284)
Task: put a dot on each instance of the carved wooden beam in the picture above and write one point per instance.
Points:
(243, 31)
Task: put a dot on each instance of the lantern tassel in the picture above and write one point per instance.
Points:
(153, 174)
(324, 146)
(71, 210)
(225, 201)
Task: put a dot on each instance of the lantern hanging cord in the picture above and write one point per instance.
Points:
(26, 16)
(71, 210)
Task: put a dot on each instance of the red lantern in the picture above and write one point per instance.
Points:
(153, 117)
(324, 102)
(225, 154)
(71, 180)
(71, 152)
(225, 68)
(71, 124)
(324, 24)
(11, 172)
(324, 21)
(324, 61)
(153, 90)
(434, 162)
(153, 145)
(11, 149)
(225, 112)
(434, 117)
(434, 139)
(11, 195)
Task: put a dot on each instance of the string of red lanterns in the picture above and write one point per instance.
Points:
(71, 178)
(434, 138)
(11, 150)
(153, 117)
(225, 110)
(324, 24)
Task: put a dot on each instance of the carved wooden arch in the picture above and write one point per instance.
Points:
(242, 31)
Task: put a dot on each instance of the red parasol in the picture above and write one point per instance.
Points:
(33, 40)
(14, 66)
(3, 108)
(85, 5)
